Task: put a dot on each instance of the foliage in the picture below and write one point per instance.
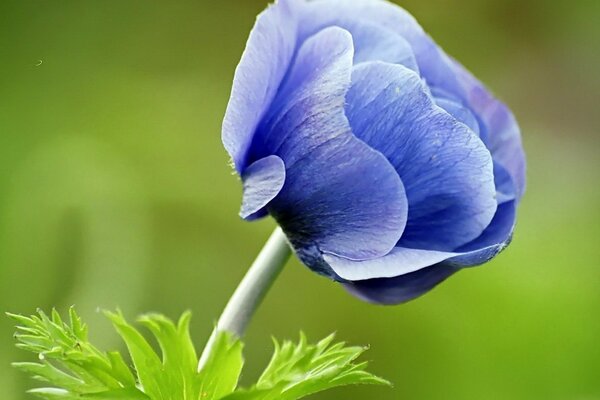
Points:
(73, 368)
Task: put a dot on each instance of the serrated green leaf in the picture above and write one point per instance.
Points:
(118, 394)
(255, 394)
(68, 362)
(298, 370)
(77, 326)
(78, 370)
(178, 353)
(146, 361)
(56, 317)
(34, 341)
(53, 393)
(49, 373)
(22, 320)
(56, 330)
(219, 376)
(120, 370)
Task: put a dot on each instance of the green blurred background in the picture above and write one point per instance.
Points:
(115, 191)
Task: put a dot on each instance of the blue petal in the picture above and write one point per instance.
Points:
(500, 131)
(372, 40)
(375, 43)
(340, 195)
(459, 112)
(263, 180)
(505, 187)
(399, 261)
(403, 288)
(410, 285)
(432, 61)
(492, 241)
(502, 134)
(264, 63)
(445, 167)
(402, 261)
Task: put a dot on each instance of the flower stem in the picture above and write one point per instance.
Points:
(251, 290)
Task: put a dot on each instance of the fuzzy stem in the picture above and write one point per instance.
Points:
(251, 290)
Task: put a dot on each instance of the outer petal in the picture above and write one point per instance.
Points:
(340, 196)
(502, 134)
(459, 112)
(264, 63)
(263, 180)
(410, 285)
(375, 43)
(400, 261)
(403, 288)
(434, 64)
(500, 131)
(446, 169)
(505, 187)
(493, 240)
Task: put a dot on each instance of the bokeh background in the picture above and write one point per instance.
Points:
(115, 191)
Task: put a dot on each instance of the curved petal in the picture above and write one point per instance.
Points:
(340, 196)
(375, 43)
(266, 59)
(399, 261)
(401, 289)
(459, 112)
(432, 61)
(502, 133)
(505, 187)
(445, 168)
(263, 180)
(492, 241)
(415, 282)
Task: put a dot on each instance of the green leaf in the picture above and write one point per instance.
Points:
(299, 370)
(75, 369)
(120, 370)
(147, 363)
(52, 393)
(178, 353)
(67, 360)
(77, 326)
(118, 394)
(49, 373)
(219, 376)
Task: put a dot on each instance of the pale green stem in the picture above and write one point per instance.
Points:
(251, 290)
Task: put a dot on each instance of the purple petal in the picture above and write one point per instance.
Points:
(375, 43)
(263, 181)
(403, 288)
(399, 261)
(410, 285)
(402, 261)
(445, 167)
(502, 133)
(492, 241)
(505, 187)
(340, 195)
(459, 112)
(264, 63)
(318, 14)
(432, 61)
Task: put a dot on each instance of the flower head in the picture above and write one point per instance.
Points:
(388, 165)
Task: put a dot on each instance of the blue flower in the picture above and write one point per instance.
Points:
(388, 166)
